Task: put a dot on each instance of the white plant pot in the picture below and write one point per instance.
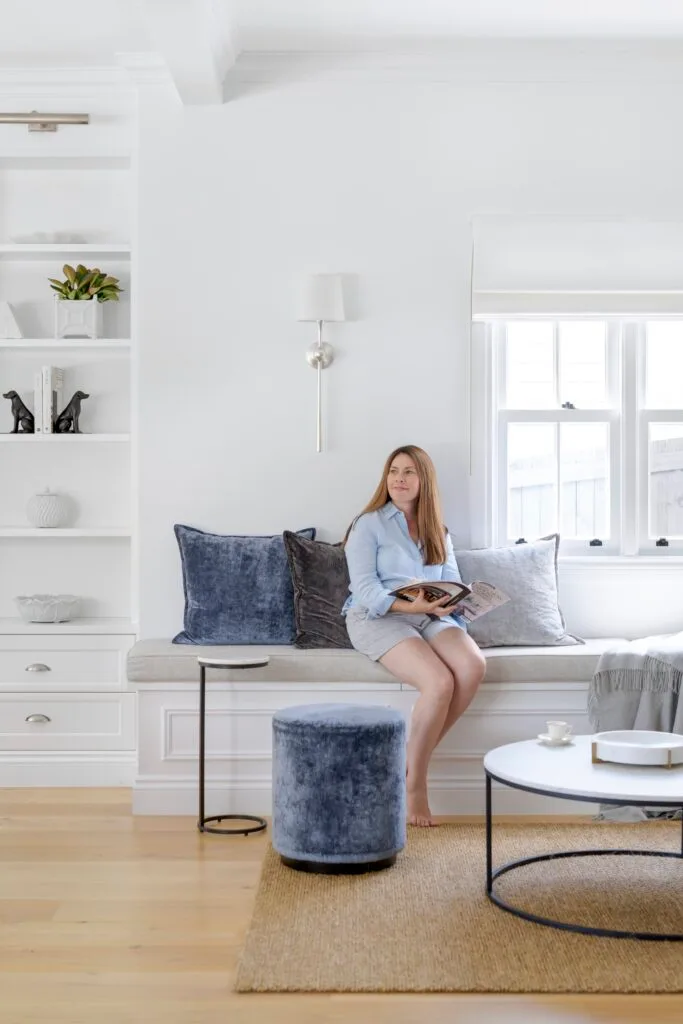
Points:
(76, 318)
(47, 510)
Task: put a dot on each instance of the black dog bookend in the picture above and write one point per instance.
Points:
(67, 421)
(24, 422)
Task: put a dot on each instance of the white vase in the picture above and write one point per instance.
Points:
(77, 318)
(47, 510)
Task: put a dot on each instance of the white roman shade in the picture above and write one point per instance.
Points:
(554, 267)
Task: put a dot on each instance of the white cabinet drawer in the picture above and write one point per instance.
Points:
(63, 663)
(50, 721)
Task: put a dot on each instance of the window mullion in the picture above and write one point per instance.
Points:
(482, 433)
(629, 435)
(502, 481)
(558, 430)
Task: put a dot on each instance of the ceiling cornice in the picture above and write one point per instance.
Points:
(475, 62)
(469, 63)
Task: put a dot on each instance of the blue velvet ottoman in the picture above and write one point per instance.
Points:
(339, 779)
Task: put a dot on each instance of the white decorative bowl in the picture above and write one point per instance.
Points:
(634, 746)
(46, 607)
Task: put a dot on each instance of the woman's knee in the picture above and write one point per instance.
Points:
(441, 684)
(474, 670)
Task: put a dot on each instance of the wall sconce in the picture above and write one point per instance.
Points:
(322, 302)
(44, 122)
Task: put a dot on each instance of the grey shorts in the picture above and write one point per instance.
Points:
(374, 637)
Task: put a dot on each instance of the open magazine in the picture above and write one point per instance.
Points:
(470, 602)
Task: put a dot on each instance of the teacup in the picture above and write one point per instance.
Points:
(558, 730)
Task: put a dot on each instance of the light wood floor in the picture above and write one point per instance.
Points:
(112, 919)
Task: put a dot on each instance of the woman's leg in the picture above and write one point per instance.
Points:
(414, 662)
(467, 665)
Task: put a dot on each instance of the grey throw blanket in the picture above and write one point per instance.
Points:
(637, 685)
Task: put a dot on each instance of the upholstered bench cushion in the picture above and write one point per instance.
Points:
(151, 661)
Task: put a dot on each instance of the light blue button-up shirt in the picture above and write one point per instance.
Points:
(382, 556)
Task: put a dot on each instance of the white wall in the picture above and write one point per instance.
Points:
(378, 180)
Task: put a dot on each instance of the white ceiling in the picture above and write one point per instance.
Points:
(45, 33)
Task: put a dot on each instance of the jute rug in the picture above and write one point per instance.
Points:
(426, 924)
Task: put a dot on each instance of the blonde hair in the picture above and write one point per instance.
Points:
(430, 529)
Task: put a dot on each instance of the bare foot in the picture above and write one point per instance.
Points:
(418, 809)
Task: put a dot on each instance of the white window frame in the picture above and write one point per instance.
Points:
(626, 414)
(646, 544)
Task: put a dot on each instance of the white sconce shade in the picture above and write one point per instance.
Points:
(322, 298)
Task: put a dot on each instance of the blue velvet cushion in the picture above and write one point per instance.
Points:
(238, 590)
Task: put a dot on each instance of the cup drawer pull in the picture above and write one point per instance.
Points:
(38, 666)
(38, 718)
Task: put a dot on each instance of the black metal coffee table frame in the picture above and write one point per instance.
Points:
(247, 830)
(491, 875)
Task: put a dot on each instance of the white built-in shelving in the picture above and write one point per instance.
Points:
(69, 197)
(77, 184)
(64, 344)
(35, 533)
(11, 626)
(70, 439)
(65, 250)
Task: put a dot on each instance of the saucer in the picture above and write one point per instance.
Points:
(550, 742)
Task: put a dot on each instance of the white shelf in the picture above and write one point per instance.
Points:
(76, 626)
(48, 532)
(77, 161)
(63, 438)
(46, 251)
(64, 343)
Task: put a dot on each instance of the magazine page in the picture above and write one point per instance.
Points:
(483, 598)
(434, 590)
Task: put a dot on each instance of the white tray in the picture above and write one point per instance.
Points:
(638, 747)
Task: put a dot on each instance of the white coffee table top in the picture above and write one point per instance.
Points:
(568, 771)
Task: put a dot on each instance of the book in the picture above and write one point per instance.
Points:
(38, 401)
(468, 601)
(53, 383)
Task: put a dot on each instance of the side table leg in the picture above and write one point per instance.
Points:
(202, 729)
(489, 851)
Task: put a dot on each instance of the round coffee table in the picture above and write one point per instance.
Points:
(568, 772)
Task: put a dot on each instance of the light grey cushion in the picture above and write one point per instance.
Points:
(162, 662)
(527, 573)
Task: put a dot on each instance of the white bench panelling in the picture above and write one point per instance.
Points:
(239, 725)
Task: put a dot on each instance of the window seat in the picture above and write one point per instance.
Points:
(524, 687)
(162, 661)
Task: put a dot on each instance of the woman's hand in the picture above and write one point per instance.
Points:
(422, 606)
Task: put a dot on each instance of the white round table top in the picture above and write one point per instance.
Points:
(568, 771)
(256, 662)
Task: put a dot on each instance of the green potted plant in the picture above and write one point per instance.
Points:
(79, 298)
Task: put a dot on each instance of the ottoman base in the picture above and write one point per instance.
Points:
(324, 868)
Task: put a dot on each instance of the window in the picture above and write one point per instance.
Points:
(585, 432)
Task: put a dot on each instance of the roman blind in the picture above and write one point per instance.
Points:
(554, 266)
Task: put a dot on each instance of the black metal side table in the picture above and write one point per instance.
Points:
(261, 824)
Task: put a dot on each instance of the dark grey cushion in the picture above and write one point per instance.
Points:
(527, 573)
(321, 585)
(238, 590)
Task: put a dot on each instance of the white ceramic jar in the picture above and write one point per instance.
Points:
(47, 510)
